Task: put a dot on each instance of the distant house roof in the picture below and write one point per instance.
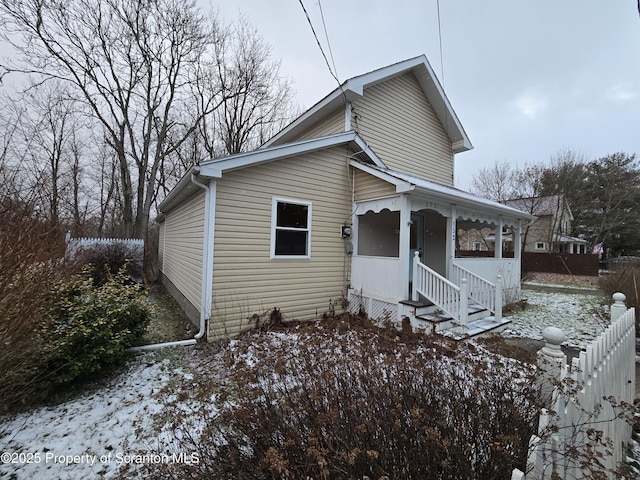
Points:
(354, 88)
(540, 206)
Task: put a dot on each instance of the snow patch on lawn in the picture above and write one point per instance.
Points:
(107, 423)
(580, 316)
(89, 436)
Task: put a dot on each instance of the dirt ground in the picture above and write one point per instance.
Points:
(556, 281)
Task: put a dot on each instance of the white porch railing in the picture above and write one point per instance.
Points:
(482, 291)
(446, 295)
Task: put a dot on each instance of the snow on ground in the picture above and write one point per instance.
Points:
(89, 436)
(580, 316)
(92, 435)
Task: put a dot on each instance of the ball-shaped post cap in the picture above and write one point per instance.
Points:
(553, 336)
(619, 297)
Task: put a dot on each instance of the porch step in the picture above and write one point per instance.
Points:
(476, 328)
(434, 320)
(430, 319)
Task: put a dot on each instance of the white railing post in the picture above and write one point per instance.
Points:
(618, 307)
(414, 280)
(464, 303)
(498, 306)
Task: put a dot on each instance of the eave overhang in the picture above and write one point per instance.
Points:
(215, 168)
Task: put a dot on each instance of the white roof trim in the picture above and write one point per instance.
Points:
(448, 194)
(215, 167)
(401, 185)
(354, 87)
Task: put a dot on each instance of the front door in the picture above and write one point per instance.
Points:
(416, 239)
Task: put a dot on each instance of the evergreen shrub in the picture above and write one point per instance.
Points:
(92, 327)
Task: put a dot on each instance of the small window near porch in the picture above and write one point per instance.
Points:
(540, 245)
(290, 229)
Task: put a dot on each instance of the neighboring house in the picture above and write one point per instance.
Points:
(333, 210)
(550, 233)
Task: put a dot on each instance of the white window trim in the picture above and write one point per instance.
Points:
(274, 219)
(543, 247)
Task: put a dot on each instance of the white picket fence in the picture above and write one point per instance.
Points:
(74, 245)
(587, 427)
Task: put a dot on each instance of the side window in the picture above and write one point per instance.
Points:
(290, 228)
(540, 245)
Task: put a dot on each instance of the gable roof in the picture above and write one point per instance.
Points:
(405, 182)
(354, 88)
(540, 206)
(215, 168)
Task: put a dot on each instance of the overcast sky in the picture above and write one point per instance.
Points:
(526, 77)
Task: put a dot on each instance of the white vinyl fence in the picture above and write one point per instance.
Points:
(74, 245)
(586, 426)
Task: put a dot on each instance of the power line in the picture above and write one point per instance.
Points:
(318, 41)
(440, 41)
(326, 35)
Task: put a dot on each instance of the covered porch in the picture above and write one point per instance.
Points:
(407, 261)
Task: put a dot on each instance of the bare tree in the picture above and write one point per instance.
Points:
(494, 182)
(255, 97)
(131, 63)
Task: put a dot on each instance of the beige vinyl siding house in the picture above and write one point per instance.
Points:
(332, 208)
(161, 248)
(332, 123)
(246, 280)
(399, 124)
(183, 234)
(368, 187)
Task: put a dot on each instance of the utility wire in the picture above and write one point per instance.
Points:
(318, 42)
(440, 41)
(326, 36)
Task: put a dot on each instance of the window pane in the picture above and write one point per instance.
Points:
(289, 242)
(292, 215)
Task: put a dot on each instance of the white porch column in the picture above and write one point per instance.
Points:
(517, 241)
(498, 247)
(452, 233)
(405, 242)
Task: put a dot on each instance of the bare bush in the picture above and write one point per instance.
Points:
(345, 400)
(625, 279)
(102, 261)
(29, 261)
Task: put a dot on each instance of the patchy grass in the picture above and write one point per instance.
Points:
(168, 322)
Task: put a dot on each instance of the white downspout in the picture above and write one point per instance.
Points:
(206, 293)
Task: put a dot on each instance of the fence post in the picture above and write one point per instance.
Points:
(618, 307)
(551, 362)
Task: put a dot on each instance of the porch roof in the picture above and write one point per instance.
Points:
(570, 239)
(405, 182)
